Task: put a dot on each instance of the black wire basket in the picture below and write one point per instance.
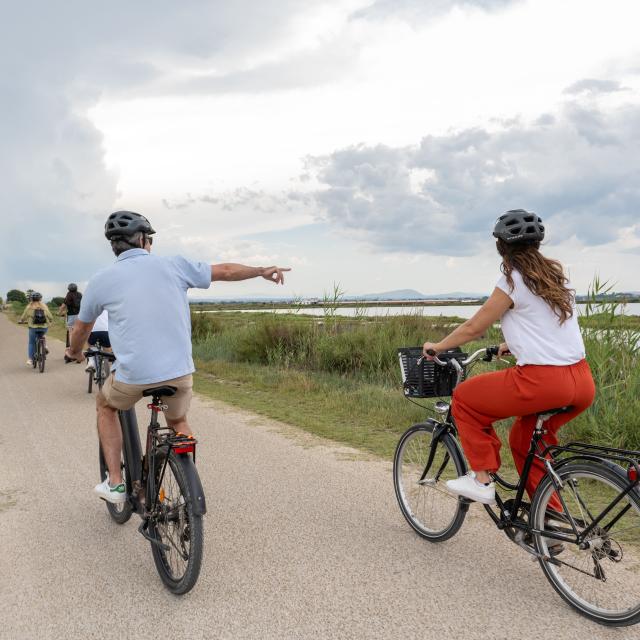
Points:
(422, 378)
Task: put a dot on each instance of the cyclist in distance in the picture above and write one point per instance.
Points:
(536, 307)
(71, 305)
(149, 329)
(38, 317)
(99, 333)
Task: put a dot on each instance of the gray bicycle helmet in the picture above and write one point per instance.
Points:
(72, 286)
(126, 223)
(519, 225)
(36, 297)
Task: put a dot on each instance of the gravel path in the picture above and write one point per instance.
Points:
(303, 538)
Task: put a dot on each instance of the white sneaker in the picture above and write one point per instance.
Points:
(116, 495)
(29, 362)
(468, 487)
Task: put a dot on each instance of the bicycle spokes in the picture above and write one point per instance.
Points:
(601, 551)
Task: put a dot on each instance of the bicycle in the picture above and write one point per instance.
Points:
(101, 371)
(580, 549)
(163, 488)
(40, 355)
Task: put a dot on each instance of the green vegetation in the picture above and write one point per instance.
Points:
(16, 295)
(339, 377)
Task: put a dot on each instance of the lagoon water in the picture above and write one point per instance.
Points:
(462, 311)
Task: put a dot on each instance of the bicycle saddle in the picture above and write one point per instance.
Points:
(165, 392)
(553, 412)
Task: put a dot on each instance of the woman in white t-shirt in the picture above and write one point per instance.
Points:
(536, 307)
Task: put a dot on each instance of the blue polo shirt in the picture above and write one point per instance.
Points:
(149, 319)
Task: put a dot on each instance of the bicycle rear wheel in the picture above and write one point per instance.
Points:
(42, 356)
(90, 385)
(175, 525)
(120, 513)
(433, 512)
(602, 581)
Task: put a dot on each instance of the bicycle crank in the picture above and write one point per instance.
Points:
(145, 534)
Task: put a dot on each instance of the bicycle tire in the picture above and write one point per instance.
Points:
(42, 356)
(588, 487)
(411, 493)
(177, 580)
(119, 513)
(90, 385)
(103, 372)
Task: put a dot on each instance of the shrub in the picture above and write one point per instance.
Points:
(15, 295)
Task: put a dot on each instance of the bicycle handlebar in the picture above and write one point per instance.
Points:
(89, 353)
(487, 353)
(108, 355)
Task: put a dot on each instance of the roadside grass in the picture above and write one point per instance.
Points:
(365, 416)
(339, 377)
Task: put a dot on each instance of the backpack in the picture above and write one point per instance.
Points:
(73, 303)
(39, 317)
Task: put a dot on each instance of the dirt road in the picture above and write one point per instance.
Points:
(303, 538)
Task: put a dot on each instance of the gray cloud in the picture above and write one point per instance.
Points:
(594, 86)
(580, 170)
(56, 61)
(421, 9)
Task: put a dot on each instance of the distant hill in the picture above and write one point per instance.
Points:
(397, 294)
(412, 294)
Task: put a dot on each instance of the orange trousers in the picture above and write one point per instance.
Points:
(518, 391)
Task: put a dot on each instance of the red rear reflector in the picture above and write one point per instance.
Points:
(187, 448)
(633, 474)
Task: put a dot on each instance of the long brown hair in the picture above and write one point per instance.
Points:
(543, 276)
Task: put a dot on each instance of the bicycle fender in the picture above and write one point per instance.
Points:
(195, 486)
(443, 430)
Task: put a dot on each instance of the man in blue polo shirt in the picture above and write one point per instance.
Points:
(149, 329)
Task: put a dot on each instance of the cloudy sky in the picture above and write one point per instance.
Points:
(370, 143)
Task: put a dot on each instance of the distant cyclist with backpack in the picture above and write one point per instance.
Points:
(71, 306)
(38, 317)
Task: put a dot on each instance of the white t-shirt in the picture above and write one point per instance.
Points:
(533, 331)
(102, 322)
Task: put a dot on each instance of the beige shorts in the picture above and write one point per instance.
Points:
(119, 395)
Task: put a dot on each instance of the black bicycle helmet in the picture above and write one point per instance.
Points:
(519, 225)
(72, 286)
(126, 223)
(36, 297)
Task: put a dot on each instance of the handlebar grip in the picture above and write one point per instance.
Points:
(493, 350)
(431, 352)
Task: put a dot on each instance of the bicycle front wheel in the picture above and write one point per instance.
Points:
(104, 369)
(601, 580)
(174, 524)
(120, 513)
(90, 385)
(425, 502)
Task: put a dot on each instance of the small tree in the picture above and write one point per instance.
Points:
(16, 295)
(57, 301)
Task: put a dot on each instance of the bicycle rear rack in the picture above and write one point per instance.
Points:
(581, 450)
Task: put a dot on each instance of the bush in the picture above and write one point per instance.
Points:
(15, 295)
(56, 302)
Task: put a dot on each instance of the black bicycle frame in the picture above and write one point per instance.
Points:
(132, 451)
(141, 476)
(577, 451)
